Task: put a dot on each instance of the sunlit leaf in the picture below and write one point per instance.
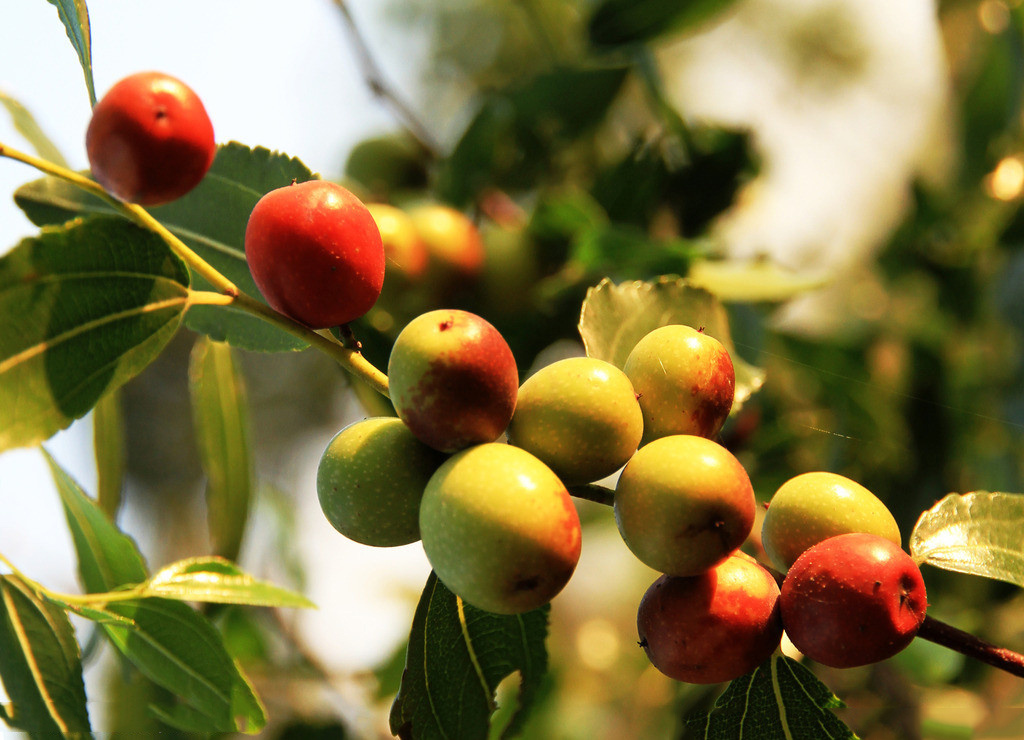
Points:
(26, 125)
(779, 700)
(75, 16)
(457, 657)
(176, 647)
(221, 581)
(83, 309)
(751, 281)
(615, 317)
(211, 219)
(220, 414)
(109, 446)
(40, 664)
(107, 558)
(977, 533)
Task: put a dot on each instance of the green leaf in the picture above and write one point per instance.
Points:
(220, 413)
(107, 558)
(83, 308)
(26, 125)
(751, 281)
(457, 657)
(177, 648)
(515, 133)
(220, 581)
(75, 17)
(40, 664)
(621, 22)
(629, 252)
(780, 700)
(615, 317)
(109, 446)
(977, 533)
(211, 219)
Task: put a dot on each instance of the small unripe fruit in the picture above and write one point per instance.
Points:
(683, 504)
(315, 253)
(453, 379)
(510, 271)
(402, 296)
(815, 506)
(499, 529)
(388, 163)
(685, 379)
(852, 600)
(711, 627)
(455, 246)
(580, 416)
(404, 251)
(371, 479)
(149, 140)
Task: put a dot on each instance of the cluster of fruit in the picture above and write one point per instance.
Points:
(850, 595)
(496, 520)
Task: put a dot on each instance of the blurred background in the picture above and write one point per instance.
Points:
(870, 149)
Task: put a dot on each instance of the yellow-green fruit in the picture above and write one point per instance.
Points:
(685, 379)
(499, 529)
(370, 481)
(510, 270)
(580, 416)
(816, 506)
(683, 503)
(406, 264)
(455, 247)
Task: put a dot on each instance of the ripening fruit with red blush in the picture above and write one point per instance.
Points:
(315, 253)
(712, 627)
(454, 244)
(149, 140)
(453, 379)
(685, 380)
(683, 503)
(852, 600)
(499, 528)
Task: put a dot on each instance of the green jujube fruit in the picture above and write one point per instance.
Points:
(580, 416)
(816, 506)
(370, 481)
(499, 529)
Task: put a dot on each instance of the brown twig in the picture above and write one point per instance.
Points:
(380, 87)
(971, 646)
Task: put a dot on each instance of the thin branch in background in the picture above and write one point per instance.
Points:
(380, 87)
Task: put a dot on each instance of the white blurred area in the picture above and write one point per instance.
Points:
(845, 99)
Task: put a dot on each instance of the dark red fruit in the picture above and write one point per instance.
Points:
(150, 140)
(712, 627)
(852, 600)
(315, 253)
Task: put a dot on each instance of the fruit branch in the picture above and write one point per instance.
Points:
(228, 293)
(135, 213)
(351, 359)
(595, 493)
(971, 646)
(380, 88)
